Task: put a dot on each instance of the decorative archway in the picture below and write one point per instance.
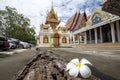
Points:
(56, 40)
(45, 39)
(64, 40)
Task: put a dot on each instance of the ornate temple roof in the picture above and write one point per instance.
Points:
(74, 22)
(44, 26)
(112, 6)
(38, 37)
(82, 16)
(98, 16)
(70, 21)
(52, 17)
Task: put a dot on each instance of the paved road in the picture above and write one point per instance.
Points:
(10, 66)
(105, 60)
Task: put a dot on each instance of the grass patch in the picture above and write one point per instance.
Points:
(4, 55)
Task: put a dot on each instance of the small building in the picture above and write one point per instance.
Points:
(51, 34)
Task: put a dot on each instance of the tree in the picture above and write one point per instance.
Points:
(16, 25)
(2, 21)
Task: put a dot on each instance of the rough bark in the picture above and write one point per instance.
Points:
(47, 66)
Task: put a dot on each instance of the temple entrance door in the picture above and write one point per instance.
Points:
(56, 40)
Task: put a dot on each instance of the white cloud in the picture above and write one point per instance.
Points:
(36, 9)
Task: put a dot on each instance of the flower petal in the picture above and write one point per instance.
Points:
(74, 72)
(70, 66)
(75, 61)
(85, 61)
(85, 71)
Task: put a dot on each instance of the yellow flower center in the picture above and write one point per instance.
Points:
(78, 65)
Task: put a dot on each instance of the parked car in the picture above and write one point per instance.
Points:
(24, 45)
(4, 44)
(31, 45)
(12, 44)
(16, 41)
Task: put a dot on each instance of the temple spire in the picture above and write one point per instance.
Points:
(52, 3)
(52, 17)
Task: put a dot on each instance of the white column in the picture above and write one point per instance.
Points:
(38, 42)
(67, 40)
(52, 41)
(101, 36)
(96, 39)
(79, 39)
(85, 38)
(49, 39)
(73, 39)
(113, 32)
(41, 39)
(118, 30)
(90, 36)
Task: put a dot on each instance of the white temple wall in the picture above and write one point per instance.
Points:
(44, 45)
(41, 39)
(67, 40)
(60, 40)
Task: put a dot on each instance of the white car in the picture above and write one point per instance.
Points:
(12, 44)
(24, 44)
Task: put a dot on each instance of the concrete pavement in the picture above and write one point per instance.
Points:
(110, 53)
(105, 60)
(10, 66)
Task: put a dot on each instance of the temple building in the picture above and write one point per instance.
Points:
(101, 27)
(74, 23)
(51, 34)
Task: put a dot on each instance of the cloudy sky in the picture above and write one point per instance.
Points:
(36, 10)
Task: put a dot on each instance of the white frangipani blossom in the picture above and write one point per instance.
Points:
(76, 67)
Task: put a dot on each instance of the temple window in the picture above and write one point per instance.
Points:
(45, 39)
(64, 40)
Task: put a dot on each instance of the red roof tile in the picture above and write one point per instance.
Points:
(83, 15)
(74, 22)
(70, 21)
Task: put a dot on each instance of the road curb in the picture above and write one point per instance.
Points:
(13, 52)
(7, 53)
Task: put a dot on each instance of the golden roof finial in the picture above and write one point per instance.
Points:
(52, 17)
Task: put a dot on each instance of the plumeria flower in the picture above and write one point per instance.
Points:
(76, 67)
